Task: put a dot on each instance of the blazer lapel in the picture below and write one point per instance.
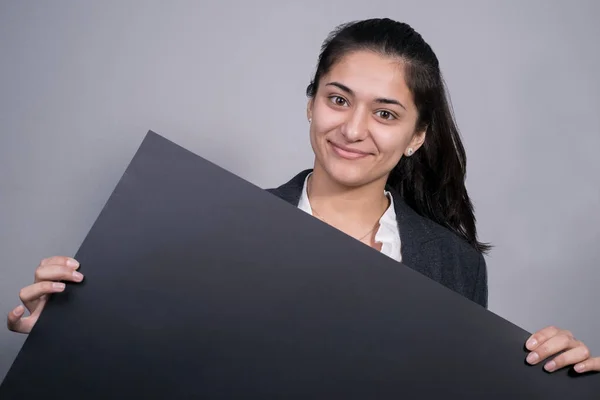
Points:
(292, 190)
(414, 231)
(412, 227)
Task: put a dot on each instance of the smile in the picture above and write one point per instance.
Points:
(347, 153)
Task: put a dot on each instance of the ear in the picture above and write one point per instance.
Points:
(309, 107)
(416, 142)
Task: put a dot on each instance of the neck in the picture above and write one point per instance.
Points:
(353, 210)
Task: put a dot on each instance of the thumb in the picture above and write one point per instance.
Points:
(16, 321)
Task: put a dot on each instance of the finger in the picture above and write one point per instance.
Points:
(560, 342)
(56, 272)
(37, 290)
(589, 365)
(14, 317)
(540, 337)
(17, 323)
(575, 355)
(60, 260)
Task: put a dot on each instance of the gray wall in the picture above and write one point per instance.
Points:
(82, 81)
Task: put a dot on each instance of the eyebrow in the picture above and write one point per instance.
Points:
(378, 100)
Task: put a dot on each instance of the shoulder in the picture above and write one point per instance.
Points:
(449, 240)
(440, 254)
(291, 190)
(454, 262)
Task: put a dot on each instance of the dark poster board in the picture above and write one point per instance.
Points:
(201, 285)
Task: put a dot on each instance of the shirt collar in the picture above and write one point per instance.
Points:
(387, 234)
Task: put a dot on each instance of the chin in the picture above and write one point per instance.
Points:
(349, 174)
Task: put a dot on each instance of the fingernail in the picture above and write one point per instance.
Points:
(580, 367)
(550, 366)
(531, 343)
(78, 276)
(532, 357)
(19, 311)
(72, 263)
(58, 285)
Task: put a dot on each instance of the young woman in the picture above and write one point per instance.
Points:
(389, 171)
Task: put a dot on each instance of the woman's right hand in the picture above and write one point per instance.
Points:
(48, 277)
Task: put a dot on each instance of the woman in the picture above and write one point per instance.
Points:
(389, 171)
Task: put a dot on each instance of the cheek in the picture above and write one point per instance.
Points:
(391, 144)
(325, 120)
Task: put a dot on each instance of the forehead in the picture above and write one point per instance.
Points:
(370, 75)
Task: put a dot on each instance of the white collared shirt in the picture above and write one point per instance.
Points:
(387, 234)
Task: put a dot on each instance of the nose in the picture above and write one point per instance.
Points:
(355, 128)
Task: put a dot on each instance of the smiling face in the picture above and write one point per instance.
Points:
(363, 119)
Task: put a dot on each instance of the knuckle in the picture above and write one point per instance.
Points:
(585, 352)
(48, 260)
(565, 340)
(552, 329)
(22, 293)
(53, 260)
(568, 333)
(543, 350)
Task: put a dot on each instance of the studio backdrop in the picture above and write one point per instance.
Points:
(82, 82)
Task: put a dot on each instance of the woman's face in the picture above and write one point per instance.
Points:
(363, 119)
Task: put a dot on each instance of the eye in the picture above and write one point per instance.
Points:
(386, 115)
(338, 101)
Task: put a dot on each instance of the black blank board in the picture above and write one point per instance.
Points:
(201, 285)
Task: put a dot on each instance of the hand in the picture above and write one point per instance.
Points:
(34, 297)
(550, 341)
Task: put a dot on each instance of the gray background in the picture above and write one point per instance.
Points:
(82, 81)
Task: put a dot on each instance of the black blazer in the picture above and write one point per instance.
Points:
(427, 247)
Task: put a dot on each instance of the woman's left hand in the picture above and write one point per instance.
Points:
(550, 341)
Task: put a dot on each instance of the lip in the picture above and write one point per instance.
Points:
(347, 153)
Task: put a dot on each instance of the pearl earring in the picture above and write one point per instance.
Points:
(309, 120)
(410, 151)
